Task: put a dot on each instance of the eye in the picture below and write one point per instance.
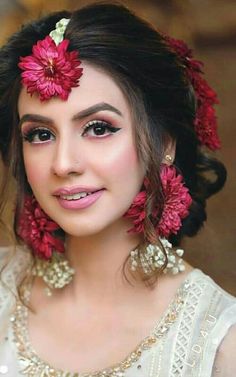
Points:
(98, 128)
(38, 135)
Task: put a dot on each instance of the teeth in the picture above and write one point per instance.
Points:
(75, 196)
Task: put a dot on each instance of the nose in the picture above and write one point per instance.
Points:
(67, 158)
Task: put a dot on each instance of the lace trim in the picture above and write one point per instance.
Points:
(186, 328)
(34, 366)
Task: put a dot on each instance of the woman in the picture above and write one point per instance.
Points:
(103, 120)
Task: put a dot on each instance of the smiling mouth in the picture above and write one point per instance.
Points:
(80, 200)
(78, 196)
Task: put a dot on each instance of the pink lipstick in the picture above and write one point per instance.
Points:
(78, 197)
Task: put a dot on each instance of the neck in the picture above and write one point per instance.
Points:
(98, 260)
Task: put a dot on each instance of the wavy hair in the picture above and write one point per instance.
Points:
(154, 82)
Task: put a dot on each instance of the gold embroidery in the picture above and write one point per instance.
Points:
(33, 366)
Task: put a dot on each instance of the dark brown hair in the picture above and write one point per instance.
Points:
(155, 84)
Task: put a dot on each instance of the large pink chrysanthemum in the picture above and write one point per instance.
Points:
(35, 228)
(177, 201)
(51, 70)
(137, 212)
(205, 121)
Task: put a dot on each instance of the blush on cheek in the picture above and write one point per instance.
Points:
(123, 164)
(34, 172)
(129, 159)
(33, 177)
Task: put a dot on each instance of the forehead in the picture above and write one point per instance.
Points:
(96, 86)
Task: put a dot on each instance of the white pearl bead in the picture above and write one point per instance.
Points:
(3, 369)
(180, 252)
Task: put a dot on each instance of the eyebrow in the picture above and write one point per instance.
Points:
(35, 118)
(103, 106)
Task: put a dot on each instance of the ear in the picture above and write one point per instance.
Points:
(169, 154)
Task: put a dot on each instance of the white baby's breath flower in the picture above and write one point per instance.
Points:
(58, 34)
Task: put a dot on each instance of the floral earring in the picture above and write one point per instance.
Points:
(36, 229)
(177, 201)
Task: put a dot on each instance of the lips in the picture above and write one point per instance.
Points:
(76, 196)
(69, 198)
(69, 191)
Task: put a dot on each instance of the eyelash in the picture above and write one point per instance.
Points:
(33, 132)
(99, 123)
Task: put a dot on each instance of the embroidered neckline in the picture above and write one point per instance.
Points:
(34, 366)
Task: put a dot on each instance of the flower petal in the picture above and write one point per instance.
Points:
(51, 70)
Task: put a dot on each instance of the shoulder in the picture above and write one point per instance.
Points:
(225, 359)
(213, 320)
(208, 292)
(212, 305)
(14, 261)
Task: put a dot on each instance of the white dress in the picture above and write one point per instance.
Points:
(195, 338)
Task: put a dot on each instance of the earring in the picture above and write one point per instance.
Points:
(154, 258)
(168, 158)
(56, 272)
(177, 201)
(36, 229)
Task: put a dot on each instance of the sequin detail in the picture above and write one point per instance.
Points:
(33, 366)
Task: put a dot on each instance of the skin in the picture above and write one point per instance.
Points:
(99, 306)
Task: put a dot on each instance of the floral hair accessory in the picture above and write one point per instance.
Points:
(177, 201)
(205, 121)
(51, 70)
(36, 229)
(58, 34)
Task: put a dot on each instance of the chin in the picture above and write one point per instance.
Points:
(82, 230)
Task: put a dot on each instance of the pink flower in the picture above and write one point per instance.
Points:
(205, 121)
(177, 201)
(51, 70)
(36, 230)
(137, 212)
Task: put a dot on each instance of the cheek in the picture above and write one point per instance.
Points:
(33, 176)
(127, 162)
(35, 168)
(122, 166)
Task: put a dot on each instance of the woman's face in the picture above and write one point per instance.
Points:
(82, 146)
